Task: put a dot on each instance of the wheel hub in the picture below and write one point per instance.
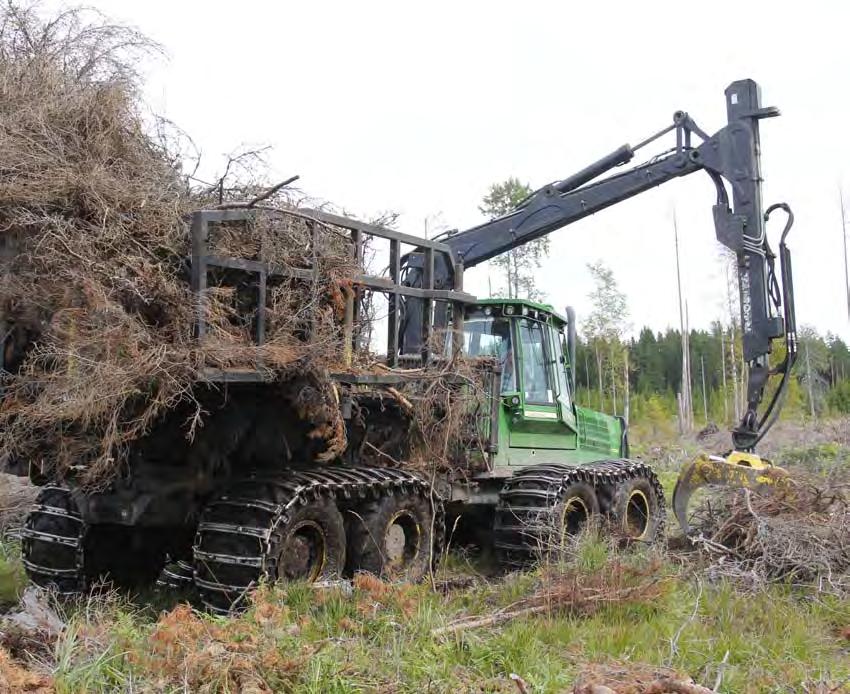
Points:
(401, 541)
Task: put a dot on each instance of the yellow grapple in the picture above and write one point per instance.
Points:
(738, 469)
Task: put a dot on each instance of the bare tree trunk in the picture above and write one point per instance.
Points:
(809, 382)
(613, 381)
(626, 386)
(586, 372)
(736, 384)
(844, 239)
(704, 398)
(681, 417)
(736, 401)
(685, 394)
(690, 373)
(599, 374)
(723, 372)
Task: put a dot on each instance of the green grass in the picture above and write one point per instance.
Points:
(13, 580)
(816, 458)
(379, 639)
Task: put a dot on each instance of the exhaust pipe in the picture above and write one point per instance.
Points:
(571, 346)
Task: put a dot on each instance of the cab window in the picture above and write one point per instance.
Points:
(491, 337)
(536, 379)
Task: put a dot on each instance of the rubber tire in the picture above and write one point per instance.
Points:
(619, 509)
(327, 517)
(50, 554)
(371, 521)
(587, 494)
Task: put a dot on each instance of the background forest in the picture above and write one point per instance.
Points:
(680, 379)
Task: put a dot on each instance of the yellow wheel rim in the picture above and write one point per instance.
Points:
(574, 510)
(636, 519)
(402, 540)
(305, 552)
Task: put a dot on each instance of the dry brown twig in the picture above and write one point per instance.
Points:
(575, 593)
(799, 535)
(634, 678)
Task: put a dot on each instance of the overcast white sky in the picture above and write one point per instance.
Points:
(418, 107)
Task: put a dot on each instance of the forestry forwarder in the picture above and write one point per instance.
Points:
(231, 520)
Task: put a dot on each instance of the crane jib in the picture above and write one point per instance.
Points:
(731, 157)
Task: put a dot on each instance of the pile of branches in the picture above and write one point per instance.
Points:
(98, 312)
(448, 404)
(16, 497)
(798, 534)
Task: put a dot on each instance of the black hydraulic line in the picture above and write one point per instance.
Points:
(774, 407)
(621, 155)
(653, 138)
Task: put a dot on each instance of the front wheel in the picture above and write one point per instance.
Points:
(638, 511)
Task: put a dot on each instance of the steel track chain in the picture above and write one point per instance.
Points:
(52, 542)
(526, 503)
(235, 543)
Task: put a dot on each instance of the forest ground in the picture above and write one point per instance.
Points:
(598, 616)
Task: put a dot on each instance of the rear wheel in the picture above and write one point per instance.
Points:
(256, 531)
(53, 539)
(311, 545)
(637, 510)
(392, 537)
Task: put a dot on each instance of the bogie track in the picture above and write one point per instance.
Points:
(64, 553)
(289, 524)
(312, 524)
(541, 504)
(52, 542)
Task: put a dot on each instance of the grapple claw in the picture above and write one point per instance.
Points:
(738, 469)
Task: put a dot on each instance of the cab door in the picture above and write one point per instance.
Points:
(544, 419)
(562, 380)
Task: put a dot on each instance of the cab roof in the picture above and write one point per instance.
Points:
(546, 308)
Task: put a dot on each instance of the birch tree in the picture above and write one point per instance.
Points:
(604, 329)
(517, 266)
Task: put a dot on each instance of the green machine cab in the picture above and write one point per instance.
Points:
(538, 418)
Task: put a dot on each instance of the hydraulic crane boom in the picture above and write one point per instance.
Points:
(731, 157)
